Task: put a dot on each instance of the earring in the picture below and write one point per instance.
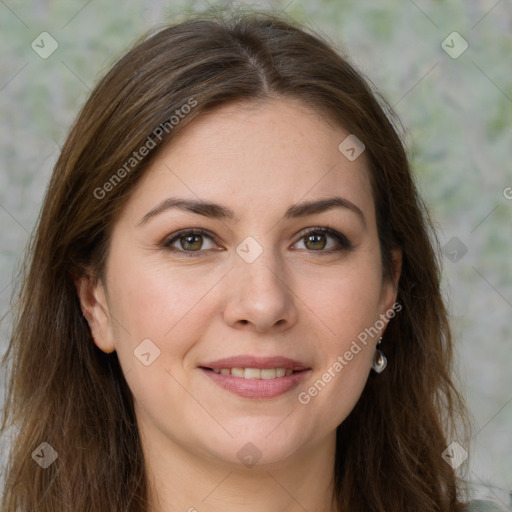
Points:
(379, 360)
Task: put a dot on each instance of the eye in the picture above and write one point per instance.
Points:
(189, 241)
(317, 240)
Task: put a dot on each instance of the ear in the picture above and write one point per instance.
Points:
(390, 286)
(93, 301)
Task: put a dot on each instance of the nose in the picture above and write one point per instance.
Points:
(260, 295)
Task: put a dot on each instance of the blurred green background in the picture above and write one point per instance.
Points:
(457, 110)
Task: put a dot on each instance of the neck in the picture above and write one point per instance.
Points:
(184, 481)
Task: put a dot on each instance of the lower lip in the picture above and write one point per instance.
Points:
(257, 388)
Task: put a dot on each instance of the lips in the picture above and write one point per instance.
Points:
(256, 377)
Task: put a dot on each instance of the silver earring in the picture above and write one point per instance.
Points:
(379, 360)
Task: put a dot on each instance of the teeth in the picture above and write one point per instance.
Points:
(252, 373)
(256, 373)
(267, 373)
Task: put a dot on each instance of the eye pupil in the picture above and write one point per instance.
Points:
(314, 239)
(189, 239)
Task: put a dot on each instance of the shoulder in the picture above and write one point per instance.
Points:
(483, 506)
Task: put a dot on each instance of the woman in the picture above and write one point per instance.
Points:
(232, 300)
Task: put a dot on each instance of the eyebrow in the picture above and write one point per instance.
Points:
(217, 211)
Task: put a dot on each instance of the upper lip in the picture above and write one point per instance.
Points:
(246, 361)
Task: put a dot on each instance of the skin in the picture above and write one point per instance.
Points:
(297, 299)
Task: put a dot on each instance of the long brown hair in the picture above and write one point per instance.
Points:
(64, 391)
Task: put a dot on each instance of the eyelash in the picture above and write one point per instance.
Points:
(342, 240)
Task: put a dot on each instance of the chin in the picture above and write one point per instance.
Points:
(258, 447)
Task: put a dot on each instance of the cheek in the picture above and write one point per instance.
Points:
(348, 309)
(171, 309)
(167, 306)
(346, 302)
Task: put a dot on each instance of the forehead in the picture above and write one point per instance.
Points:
(257, 155)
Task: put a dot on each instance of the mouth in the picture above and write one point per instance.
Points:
(254, 373)
(256, 378)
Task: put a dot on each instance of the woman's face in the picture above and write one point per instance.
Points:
(282, 273)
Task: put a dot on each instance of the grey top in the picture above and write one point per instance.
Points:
(483, 506)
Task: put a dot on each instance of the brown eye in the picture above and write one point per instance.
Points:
(325, 240)
(190, 241)
(315, 241)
